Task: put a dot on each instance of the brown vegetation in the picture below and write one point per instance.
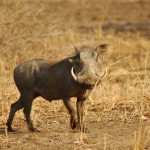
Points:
(118, 110)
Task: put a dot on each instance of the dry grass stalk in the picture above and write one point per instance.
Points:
(141, 137)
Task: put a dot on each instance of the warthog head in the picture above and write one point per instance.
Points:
(88, 67)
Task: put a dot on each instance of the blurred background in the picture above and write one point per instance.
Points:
(31, 29)
(42, 28)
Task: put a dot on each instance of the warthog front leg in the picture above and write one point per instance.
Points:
(73, 122)
(81, 114)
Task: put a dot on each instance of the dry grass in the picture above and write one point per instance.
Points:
(141, 137)
(46, 29)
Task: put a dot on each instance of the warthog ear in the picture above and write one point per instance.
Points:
(101, 49)
(76, 49)
(75, 59)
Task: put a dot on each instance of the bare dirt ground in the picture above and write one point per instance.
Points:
(118, 113)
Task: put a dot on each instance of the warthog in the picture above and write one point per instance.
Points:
(70, 77)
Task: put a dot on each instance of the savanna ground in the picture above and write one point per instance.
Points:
(118, 110)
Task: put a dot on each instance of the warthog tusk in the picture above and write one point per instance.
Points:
(104, 74)
(73, 74)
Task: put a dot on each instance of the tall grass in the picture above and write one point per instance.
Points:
(142, 137)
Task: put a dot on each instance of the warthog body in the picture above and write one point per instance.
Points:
(70, 77)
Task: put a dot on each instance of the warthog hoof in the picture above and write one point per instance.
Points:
(73, 123)
(32, 129)
(10, 129)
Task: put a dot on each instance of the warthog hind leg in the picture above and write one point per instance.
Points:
(14, 107)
